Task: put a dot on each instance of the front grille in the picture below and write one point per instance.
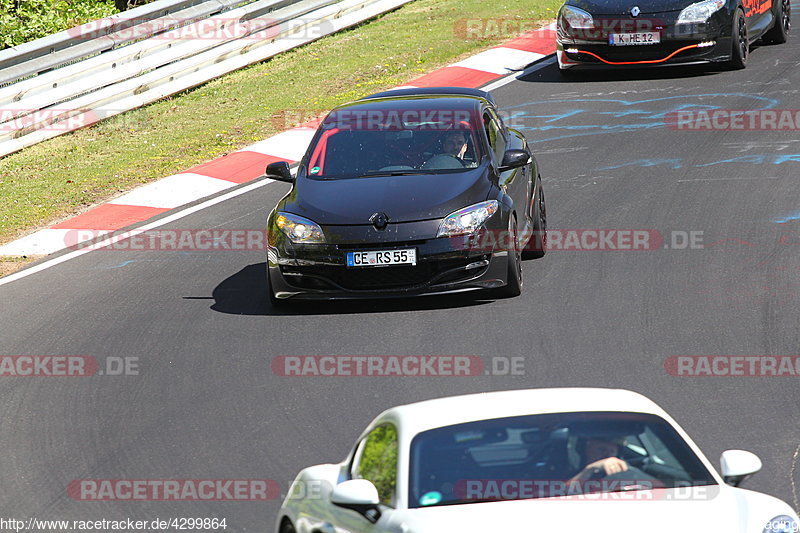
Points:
(379, 245)
(379, 278)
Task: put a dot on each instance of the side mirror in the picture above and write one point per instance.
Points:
(738, 465)
(514, 159)
(360, 495)
(279, 171)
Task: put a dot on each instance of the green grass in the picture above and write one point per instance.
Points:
(25, 20)
(65, 175)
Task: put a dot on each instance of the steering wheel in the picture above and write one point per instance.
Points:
(633, 477)
(443, 162)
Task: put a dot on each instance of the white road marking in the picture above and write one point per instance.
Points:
(158, 223)
(499, 60)
(517, 75)
(290, 144)
(756, 178)
(173, 191)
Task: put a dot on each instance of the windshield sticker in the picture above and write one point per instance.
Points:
(430, 498)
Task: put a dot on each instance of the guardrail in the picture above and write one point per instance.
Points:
(81, 76)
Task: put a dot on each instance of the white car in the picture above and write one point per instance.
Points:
(567, 459)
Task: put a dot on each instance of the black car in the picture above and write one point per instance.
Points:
(407, 192)
(636, 33)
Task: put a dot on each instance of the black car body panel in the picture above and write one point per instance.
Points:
(403, 198)
(414, 205)
(692, 43)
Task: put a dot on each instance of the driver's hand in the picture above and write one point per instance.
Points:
(610, 465)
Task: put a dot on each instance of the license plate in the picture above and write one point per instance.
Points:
(382, 258)
(632, 39)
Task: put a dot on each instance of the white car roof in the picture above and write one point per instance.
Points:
(430, 414)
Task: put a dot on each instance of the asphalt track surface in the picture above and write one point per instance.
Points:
(206, 405)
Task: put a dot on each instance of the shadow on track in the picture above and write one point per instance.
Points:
(550, 74)
(245, 293)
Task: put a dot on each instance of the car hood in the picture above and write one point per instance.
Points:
(623, 7)
(401, 198)
(669, 511)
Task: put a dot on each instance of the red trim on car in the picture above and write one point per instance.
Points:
(673, 54)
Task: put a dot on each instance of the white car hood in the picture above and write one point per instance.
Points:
(663, 511)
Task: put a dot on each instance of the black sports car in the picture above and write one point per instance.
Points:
(618, 33)
(407, 192)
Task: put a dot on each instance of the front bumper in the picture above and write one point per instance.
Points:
(444, 265)
(681, 44)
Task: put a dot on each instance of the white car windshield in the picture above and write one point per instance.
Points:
(550, 455)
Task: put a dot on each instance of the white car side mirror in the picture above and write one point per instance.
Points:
(360, 495)
(738, 465)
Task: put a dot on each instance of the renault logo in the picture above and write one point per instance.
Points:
(379, 220)
(635, 11)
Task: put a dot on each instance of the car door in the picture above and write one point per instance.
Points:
(758, 15)
(375, 460)
(514, 182)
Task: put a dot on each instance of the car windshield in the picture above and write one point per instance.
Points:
(549, 455)
(394, 143)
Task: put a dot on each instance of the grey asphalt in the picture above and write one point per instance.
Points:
(205, 403)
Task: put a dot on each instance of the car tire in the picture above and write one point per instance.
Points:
(740, 42)
(779, 33)
(513, 285)
(287, 527)
(538, 247)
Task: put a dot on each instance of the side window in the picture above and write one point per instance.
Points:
(495, 135)
(377, 461)
(491, 132)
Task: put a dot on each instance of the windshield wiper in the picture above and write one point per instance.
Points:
(392, 173)
(472, 500)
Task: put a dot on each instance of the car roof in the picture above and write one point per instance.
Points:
(422, 416)
(433, 91)
(402, 100)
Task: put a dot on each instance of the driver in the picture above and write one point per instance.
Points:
(455, 144)
(599, 456)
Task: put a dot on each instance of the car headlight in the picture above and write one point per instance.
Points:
(577, 18)
(467, 220)
(700, 12)
(781, 524)
(299, 229)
